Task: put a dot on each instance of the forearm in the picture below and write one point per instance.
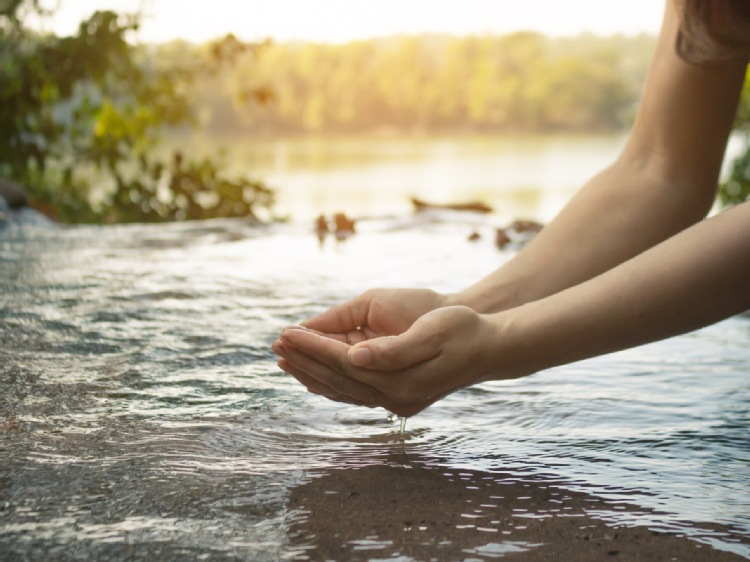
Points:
(695, 278)
(618, 214)
(664, 181)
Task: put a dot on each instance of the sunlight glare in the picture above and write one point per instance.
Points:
(345, 20)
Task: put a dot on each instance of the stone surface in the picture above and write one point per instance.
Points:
(13, 194)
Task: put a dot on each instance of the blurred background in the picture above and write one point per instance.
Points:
(148, 111)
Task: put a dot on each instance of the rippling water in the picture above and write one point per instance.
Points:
(142, 415)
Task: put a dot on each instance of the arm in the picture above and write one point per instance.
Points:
(695, 278)
(559, 304)
(664, 181)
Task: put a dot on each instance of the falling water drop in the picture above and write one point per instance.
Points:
(402, 430)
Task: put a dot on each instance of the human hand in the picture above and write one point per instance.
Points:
(444, 350)
(377, 313)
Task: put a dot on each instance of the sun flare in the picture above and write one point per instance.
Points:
(345, 20)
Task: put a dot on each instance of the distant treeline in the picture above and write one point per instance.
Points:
(517, 82)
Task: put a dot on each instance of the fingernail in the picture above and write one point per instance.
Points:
(291, 330)
(360, 356)
(296, 327)
(302, 328)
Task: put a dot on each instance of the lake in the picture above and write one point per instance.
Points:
(528, 176)
(143, 416)
(520, 176)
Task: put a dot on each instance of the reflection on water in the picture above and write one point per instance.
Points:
(143, 416)
(529, 176)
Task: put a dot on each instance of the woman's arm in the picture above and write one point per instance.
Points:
(664, 181)
(588, 284)
(695, 278)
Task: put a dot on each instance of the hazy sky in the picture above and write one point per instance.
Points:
(342, 20)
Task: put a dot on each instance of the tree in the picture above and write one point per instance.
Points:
(94, 102)
(736, 188)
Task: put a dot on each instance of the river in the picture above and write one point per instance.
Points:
(143, 416)
(529, 176)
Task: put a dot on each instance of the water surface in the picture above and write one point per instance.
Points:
(143, 415)
(519, 175)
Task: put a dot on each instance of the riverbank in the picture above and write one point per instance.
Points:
(404, 510)
(12, 199)
(143, 415)
(14, 206)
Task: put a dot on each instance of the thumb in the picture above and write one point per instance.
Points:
(392, 353)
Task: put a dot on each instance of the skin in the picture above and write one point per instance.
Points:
(628, 261)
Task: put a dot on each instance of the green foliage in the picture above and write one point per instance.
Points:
(76, 111)
(516, 82)
(183, 190)
(736, 188)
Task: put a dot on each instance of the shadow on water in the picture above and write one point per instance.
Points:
(410, 507)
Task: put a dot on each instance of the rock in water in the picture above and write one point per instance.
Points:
(13, 194)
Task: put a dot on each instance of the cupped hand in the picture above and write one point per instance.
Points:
(442, 351)
(377, 313)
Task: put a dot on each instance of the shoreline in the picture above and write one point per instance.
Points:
(435, 513)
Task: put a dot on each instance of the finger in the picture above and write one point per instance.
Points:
(341, 318)
(314, 386)
(343, 338)
(318, 365)
(310, 383)
(313, 343)
(351, 338)
(377, 389)
(355, 336)
(369, 334)
(329, 353)
(395, 353)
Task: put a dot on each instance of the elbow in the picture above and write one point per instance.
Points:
(687, 189)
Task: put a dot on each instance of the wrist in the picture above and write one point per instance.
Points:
(520, 348)
(489, 299)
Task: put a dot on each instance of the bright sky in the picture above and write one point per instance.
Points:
(343, 20)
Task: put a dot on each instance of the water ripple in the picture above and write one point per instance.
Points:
(143, 415)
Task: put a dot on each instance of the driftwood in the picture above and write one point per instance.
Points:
(473, 207)
(518, 233)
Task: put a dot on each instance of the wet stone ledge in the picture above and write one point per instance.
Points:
(14, 206)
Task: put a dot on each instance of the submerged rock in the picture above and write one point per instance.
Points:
(14, 207)
(4, 212)
(517, 234)
(13, 194)
(344, 224)
(341, 226)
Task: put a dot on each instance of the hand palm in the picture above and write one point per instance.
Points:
(390, 317)
(380, 312)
